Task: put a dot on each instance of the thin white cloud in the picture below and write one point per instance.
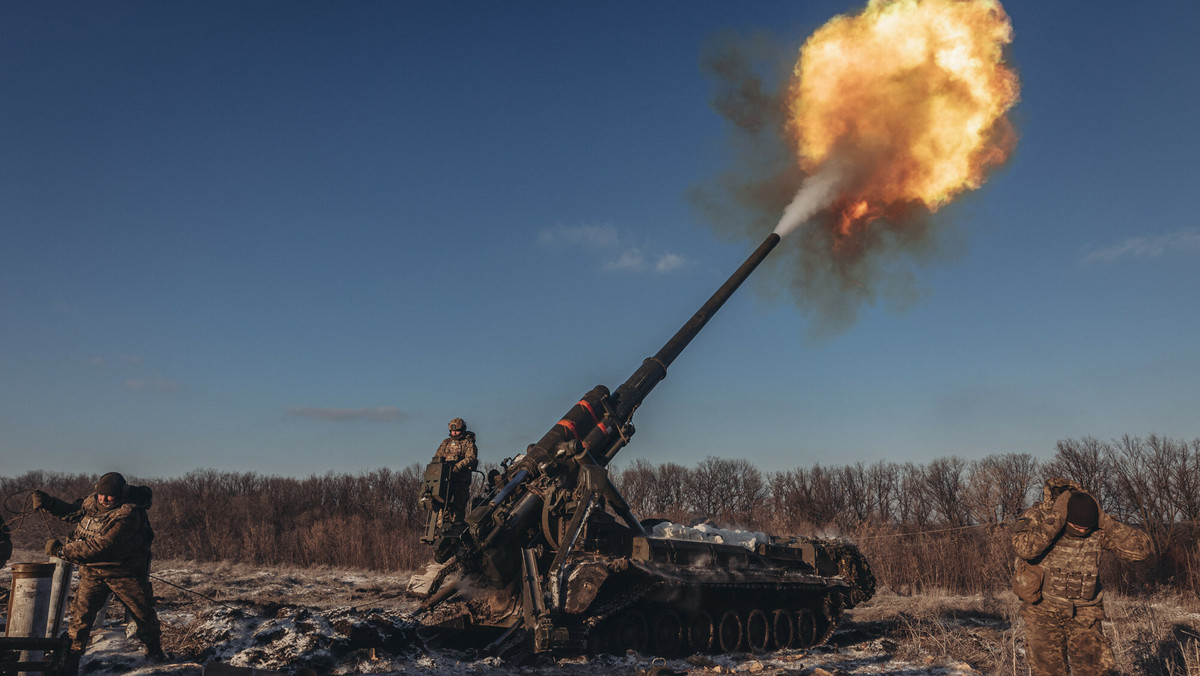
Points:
(375, 414)
(627, 261)
(1186, 242)
(615, 250)
(152, 385)
(669, 262)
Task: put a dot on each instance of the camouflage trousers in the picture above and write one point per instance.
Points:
(1065, 640)
(92, 592)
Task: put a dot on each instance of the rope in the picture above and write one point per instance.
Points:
(192, 591)
(27, 509)
(24, 512)
(924, 532)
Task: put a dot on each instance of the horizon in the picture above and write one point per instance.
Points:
(298, 239)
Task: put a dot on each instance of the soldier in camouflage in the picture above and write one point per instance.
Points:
(111, 545)
(459, 448)
(1058, 544)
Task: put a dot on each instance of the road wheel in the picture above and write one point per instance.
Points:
(666, 638)
(806, 628)
(758, 631)
(783, 629)
(729, 632)
(631, 632)
(700, 632)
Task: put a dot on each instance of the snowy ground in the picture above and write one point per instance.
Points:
(354, 622)
(346, 622)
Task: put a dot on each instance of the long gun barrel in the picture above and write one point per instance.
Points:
(574, 453)
(554, 559)
(599, 420)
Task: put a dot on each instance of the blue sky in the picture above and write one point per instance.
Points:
(299, 237)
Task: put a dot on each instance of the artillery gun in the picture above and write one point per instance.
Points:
(552, 559)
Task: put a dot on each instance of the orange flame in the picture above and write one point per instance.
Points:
(912, 94)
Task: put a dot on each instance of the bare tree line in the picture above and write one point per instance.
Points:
(944, 524)
(370, 520)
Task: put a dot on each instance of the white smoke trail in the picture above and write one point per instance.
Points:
(817, 192)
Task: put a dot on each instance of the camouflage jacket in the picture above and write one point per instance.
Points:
(461, 451)
(1071, 564)
(106, 542)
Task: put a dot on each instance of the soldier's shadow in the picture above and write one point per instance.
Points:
(905, 626)
(1174, 654)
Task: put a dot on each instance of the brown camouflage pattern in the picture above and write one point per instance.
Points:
(1064, 631)
(1059, 643)
(112, 548)
(461, 451)
(111, 542)
(135, 592)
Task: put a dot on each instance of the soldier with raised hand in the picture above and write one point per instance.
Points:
(111, 546)
(459, 448)
(1058, 544)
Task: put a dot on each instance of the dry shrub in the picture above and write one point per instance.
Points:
(1156, 635)
(1153, 635)
(370, 520)
(970, 560)
(977, 630)
(945, 525)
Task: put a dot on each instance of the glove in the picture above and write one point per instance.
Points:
(1060, 504)
(39, 498)
(1058, 513)
(54, 547)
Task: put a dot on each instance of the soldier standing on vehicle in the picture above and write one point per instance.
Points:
(459, 448)
(1058, 542)
(111, 546)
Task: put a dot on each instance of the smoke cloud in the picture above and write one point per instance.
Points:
(816, 193)
(764, 190)
(849, 151)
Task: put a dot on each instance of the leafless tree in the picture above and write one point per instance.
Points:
(913, 504)
(1143, 473)
(804, 498)
(1185, 482)
(1084, 461)
(851, 483)
(945, 482)
(883, 485)
(729, 492)
(997, 486)
(635, 481)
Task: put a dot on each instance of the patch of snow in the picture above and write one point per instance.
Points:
(708, 533)
(308, 621)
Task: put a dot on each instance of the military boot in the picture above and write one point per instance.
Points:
(70, 663)
(154, 651)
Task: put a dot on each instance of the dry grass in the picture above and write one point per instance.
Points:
(1155, 635)
(976, 630)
